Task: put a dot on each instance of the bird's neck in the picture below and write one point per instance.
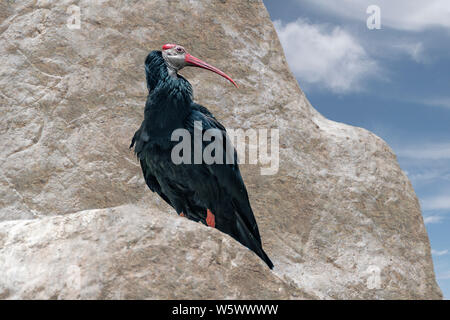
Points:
(168, 105)
(171, 70)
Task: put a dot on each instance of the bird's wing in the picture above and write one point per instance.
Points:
(151, 181)
(228, 175)
(205, 111)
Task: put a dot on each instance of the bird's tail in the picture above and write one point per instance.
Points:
(245, 236)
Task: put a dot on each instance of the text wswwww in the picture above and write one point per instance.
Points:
(247, 309)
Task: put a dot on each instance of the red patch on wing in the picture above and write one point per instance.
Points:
(168, 46)
(210, 219)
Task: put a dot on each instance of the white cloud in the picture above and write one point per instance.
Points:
(443, 275)
(411, 15)
(441, 202)
(432, 219)
(431, 163)
(436, 151)
(438, 102)
(414, 50)
(324, 56)
(439, 253)
(430, 175)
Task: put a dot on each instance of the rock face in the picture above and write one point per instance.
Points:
(127, 253)
(340, 219)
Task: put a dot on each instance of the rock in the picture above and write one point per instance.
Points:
(340, 219)
(128, 252)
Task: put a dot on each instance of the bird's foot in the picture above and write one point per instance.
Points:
(182, 214)
(210, 219)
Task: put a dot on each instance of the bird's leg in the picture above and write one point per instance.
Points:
(182, 214)
(210, 219)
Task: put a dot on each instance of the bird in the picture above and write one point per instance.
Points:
(213, 194)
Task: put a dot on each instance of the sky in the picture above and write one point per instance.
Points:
(393, 80)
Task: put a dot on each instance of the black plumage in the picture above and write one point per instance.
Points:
(191, 189)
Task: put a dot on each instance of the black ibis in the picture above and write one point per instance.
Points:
(214, 194)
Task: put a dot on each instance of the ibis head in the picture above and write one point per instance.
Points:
(176, 58)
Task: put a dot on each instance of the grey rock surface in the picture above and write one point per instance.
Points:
(340, 219)
(128, 252)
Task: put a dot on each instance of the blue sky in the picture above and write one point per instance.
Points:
(393, 81)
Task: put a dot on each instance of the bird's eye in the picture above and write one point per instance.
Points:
(180, 50)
